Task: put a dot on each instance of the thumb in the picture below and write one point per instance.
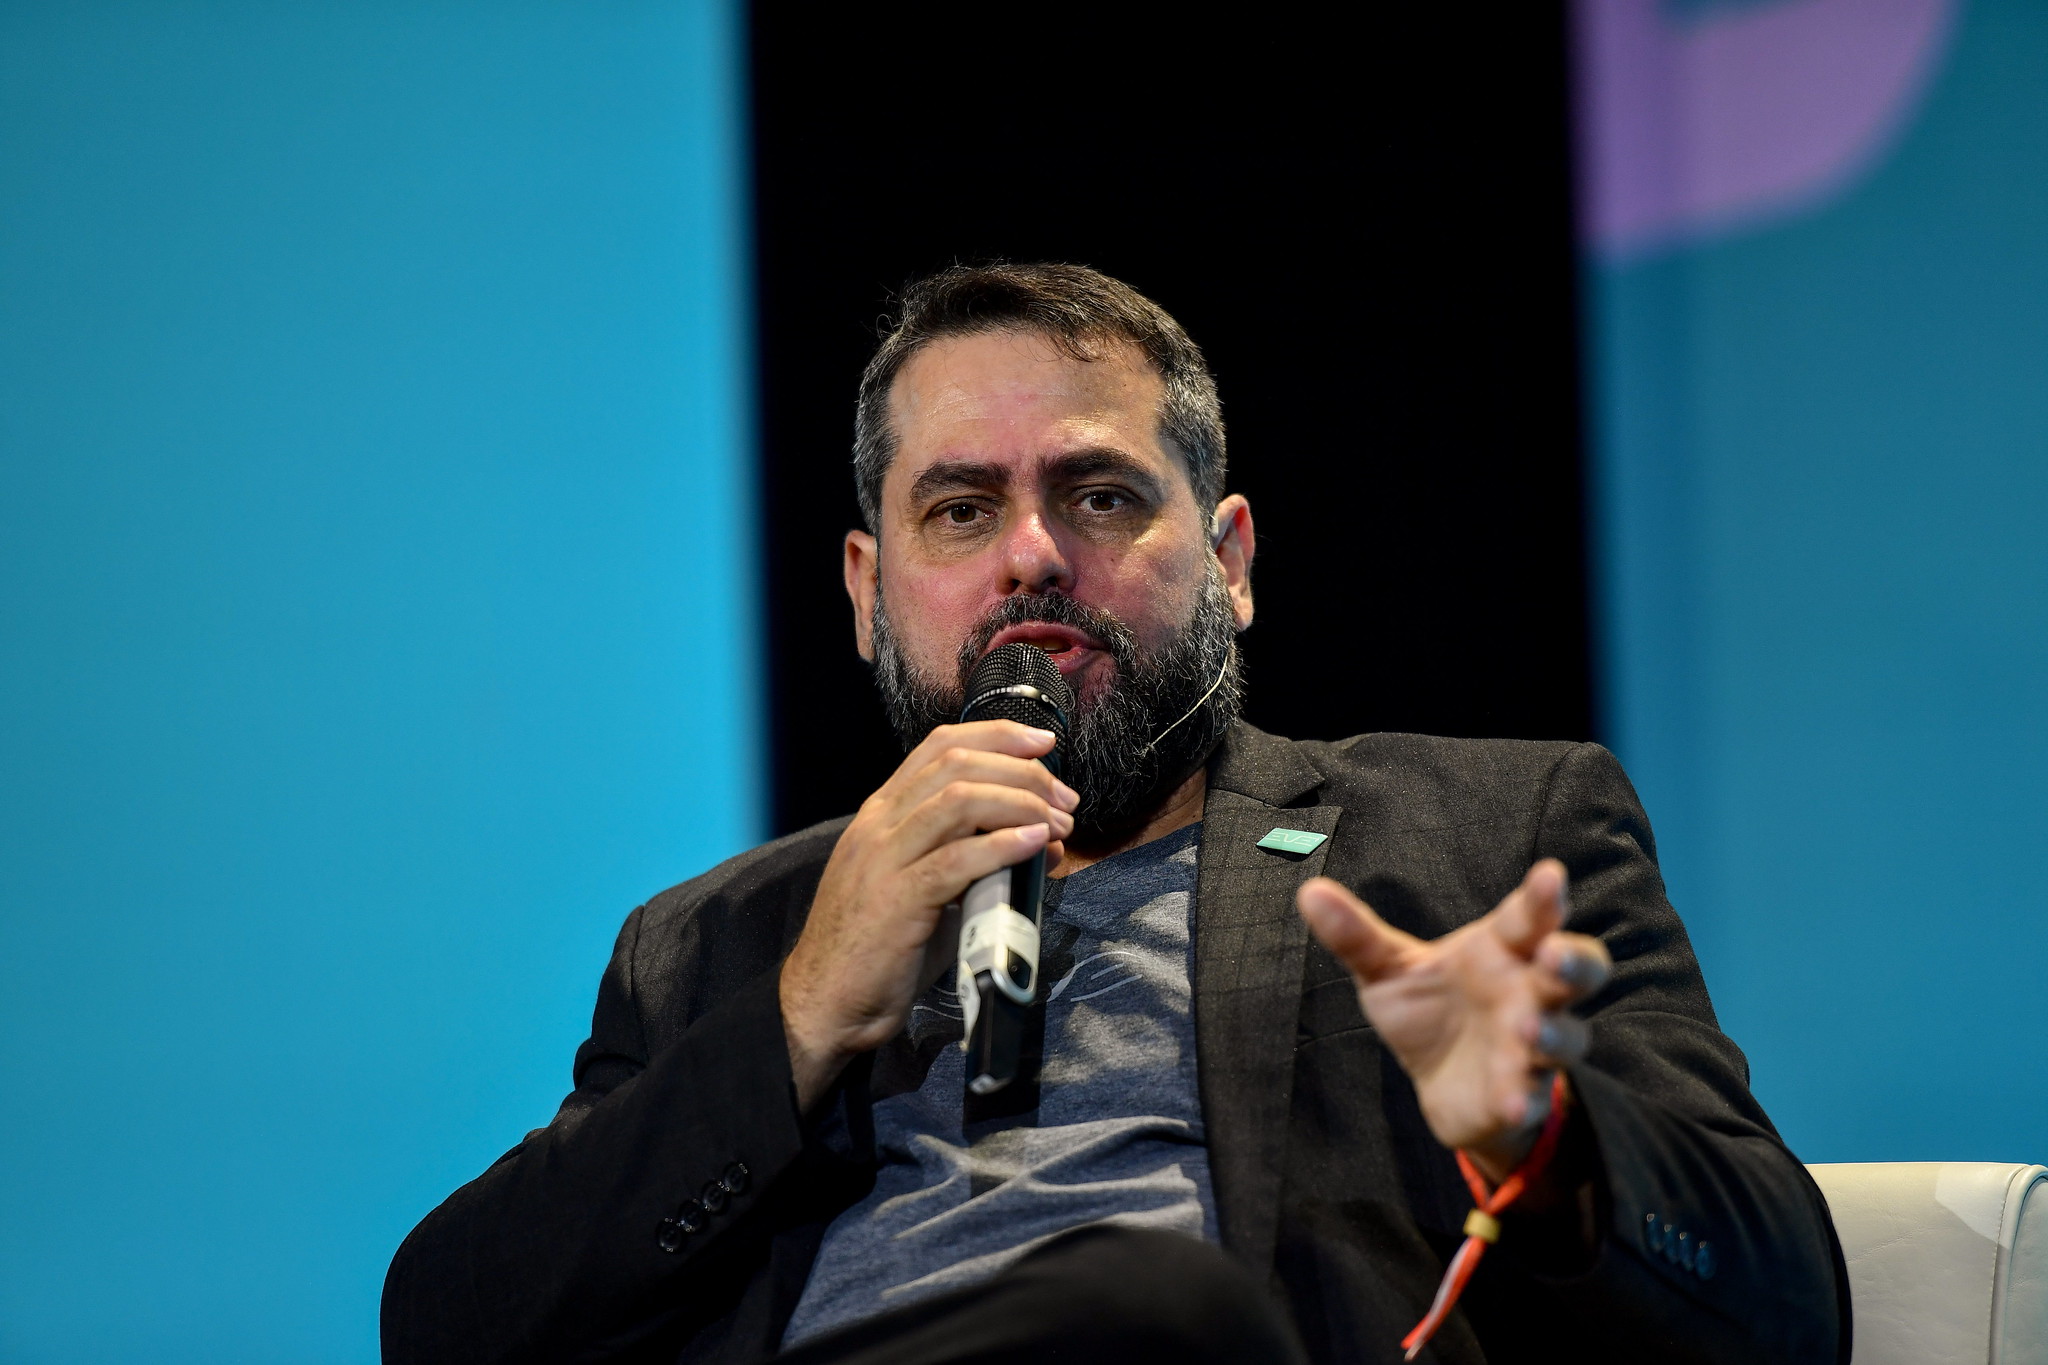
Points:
(1534, 910)
(1366, 944)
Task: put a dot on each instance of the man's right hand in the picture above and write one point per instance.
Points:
(915, 847)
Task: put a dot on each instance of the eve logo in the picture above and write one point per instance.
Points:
(1295, 841)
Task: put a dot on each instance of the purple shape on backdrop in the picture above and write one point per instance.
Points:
(1690, 127)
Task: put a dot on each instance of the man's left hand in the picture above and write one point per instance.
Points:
(1479, 1019)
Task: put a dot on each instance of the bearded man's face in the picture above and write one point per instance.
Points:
(1032, 499)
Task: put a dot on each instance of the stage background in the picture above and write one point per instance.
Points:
(378, 620)
(1818, 314)
(1364, 217)
(390, 604)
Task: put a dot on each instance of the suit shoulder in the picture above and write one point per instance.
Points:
(765, 875)
(1443, 756)
(694, 944)
(1496, 773)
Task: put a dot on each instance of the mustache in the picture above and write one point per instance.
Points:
(1053, 609)
(1143, 728)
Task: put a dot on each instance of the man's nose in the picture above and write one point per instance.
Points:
(1033, 558)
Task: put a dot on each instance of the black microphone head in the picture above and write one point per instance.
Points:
(1018, 682)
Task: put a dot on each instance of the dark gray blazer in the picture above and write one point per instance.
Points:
(1716, 1246)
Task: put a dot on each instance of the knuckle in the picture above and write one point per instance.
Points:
(945, 867)
(951, 868)
(1020, 804)
(938, 741)
(929, 874)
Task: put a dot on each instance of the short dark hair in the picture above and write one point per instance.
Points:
(1079, 311)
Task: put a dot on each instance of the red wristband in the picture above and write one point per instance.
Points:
(1482, 1225)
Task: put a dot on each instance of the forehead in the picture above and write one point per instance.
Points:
(1005, 395)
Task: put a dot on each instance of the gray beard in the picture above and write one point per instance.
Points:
(1130, 744)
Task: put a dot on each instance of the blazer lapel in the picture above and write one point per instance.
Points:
(1250, 946)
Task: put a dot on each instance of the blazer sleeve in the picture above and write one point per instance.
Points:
(560, 1251)
(1716, 1243)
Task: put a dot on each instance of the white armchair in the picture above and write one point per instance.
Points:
(1948, 1260)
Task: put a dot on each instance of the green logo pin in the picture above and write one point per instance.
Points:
(1295, 841)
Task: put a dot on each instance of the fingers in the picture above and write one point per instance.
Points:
(989, 736)
(1533, 910)
(960, 809)
(1001, 752)
(947, 871)
(1561, 1040)
(1516, 1087)
(1571, 968)
(974, 765)
(1519, 1076)
(1366, 944)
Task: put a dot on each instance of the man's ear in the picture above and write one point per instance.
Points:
(1234, 542)
(862, 564)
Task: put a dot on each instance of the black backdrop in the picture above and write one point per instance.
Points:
(1364, 222)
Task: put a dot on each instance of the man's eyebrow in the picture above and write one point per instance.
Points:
(942, 477)
(1100, 460)
(947, 476)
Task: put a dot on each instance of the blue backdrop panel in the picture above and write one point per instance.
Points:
(376, 597)
(1823, 491)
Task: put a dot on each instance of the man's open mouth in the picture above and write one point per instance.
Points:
(1064, 645)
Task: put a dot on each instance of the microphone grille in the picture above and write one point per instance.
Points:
(1018, 682)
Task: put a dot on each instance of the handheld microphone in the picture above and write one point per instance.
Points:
(998, 971)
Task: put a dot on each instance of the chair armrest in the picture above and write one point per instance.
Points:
(1948, 1260)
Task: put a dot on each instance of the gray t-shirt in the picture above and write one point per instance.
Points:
(1112, 1132)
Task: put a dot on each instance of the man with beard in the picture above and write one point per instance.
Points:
(1255, 1092)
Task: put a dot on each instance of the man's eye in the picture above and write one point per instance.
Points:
(961, 513)
(1103, 500)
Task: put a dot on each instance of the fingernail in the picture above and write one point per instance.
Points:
(1040, 833)
(1578, 971)
(1549, 1037)
(1065, 797)
(1046, 736)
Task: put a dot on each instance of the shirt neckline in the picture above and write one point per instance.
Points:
(1156, 850)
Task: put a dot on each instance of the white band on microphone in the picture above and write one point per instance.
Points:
(994, 938)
